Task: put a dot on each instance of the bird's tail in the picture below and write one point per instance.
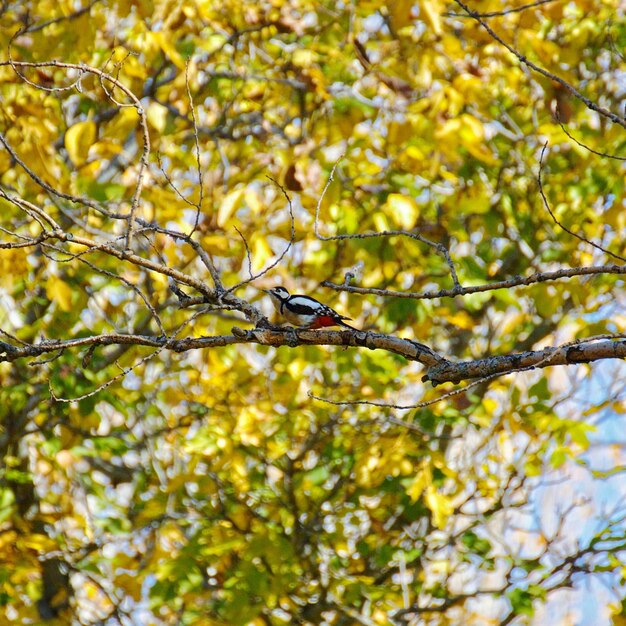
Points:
(342, 323)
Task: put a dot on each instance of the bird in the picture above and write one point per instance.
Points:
(304, 311)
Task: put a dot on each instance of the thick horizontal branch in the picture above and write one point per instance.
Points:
(407, 348)
(569, 354)
(438, 369)
(515, 281)
(263, 336)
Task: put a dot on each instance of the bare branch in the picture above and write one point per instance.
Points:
(281, 256)
(582, 351)
(72, 16)
(405, 407)
(385, 233)
(263, 336)
(135, 103)
(203, 255)
(197, 147)
(605, 155)
(125, 255)
(516, 281)
(504, 12)
(439, 369)
(590, 104)
(557, 222)
(248, 255)
(131, 286)
(27, 206)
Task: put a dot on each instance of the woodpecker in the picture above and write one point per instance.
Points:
(305, 312)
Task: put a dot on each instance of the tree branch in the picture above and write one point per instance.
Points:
(616, 119)
(568, 354)
(515, 281)
(439, 370)
(503, 12)
(263, 336)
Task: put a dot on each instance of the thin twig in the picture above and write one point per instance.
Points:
(281, 256)
(197, 147)
(385, 233)
(248, 255)
(536, 68)
(405, 407)
(558, 223)
(586, 147)
(515, 281)
(504, 12)
(167, 343)
(33, 28)
(135, 103)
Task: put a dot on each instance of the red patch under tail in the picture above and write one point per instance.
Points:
(323, 321)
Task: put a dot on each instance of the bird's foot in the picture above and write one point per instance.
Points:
(292, 337)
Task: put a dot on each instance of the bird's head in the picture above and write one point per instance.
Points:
(278, 294)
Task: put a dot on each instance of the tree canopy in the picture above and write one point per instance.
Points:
(448, 174)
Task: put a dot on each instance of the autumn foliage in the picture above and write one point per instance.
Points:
(450, 175)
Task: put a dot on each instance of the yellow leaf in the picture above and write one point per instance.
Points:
(380, 222)
(60, 292)
(618, 619)
(92, 591)
(304, 58)
(13, 264)
(449, 176)
(400, 13)
(423, 479)
(40, 543)
(165, 43)
(431, 10)
(474, 200)
(414, 153)
(472, 137)
(254, 200)
(5, 161)
(122, 124)
(229, 205)
(317, 77)
(106, 149)
(157, 116)
(7, 538)
(482, 153)
(462, 320)
(402, 210)
(218, 243)
(439, 505)
(261, 252)
(212, 42)
(472, 130)
(296, 368)
(449, 129)
(78, 139)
